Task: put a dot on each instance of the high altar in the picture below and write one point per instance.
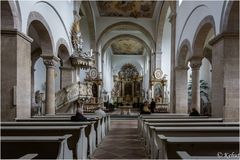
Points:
(127, 85)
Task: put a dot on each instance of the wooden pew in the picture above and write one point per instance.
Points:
(47, 147)
(107, 119)
(173, 120)
(148, 130)
(104, 121)
(157, 116)
(90, 129)
(29, 156)
(98, 125)
(200, 146)
(78, 142)
(212, 131)
(185, 156)
(143, 118)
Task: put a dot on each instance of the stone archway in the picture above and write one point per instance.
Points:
(204, 32)
(39, 30)
(10, 16)
(128, 25)
(182, 77)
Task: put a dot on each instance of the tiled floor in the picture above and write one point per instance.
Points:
(122, 142)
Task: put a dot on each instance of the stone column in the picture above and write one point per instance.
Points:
(195, 65)
(225, 76)
(181, 90)
(50, 61)
(16, 75)
(172, 20)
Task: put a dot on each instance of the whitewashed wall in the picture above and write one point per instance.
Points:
(107, 71)
(39, 76)
(58, 15)
(166, 49)
(190, 14)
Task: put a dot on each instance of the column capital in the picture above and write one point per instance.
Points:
(50, 60)
(195, 63)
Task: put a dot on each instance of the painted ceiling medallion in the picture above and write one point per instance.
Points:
(136, 9)
(127, 46)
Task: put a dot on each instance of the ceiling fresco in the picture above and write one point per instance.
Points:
(127, 46)
(136, 9)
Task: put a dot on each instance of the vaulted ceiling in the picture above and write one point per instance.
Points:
(127, 46)
(135, 18)
(136, 9)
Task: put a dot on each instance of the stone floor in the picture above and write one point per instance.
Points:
(121, 142)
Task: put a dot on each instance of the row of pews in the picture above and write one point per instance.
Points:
(179, 136)
(52, 137)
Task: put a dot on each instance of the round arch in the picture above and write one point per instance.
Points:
(126, 24)
(36, 20)
(108, 43)
(201, 34)
(10, 16)
(62, 43)
(184, 53)
(230, 20)
(161, 21)
(90, 20)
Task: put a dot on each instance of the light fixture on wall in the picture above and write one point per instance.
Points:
(83, 60)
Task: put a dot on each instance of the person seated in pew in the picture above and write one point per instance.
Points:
(194, 112)
(100, 112)
(145, 108)
(79, 116)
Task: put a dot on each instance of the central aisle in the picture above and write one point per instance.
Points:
(122, 142)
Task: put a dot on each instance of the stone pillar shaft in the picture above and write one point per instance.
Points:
(195, 65)
(181, 90)
(172, 20)
(225, 76)
(16, 75)
(50, 62)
